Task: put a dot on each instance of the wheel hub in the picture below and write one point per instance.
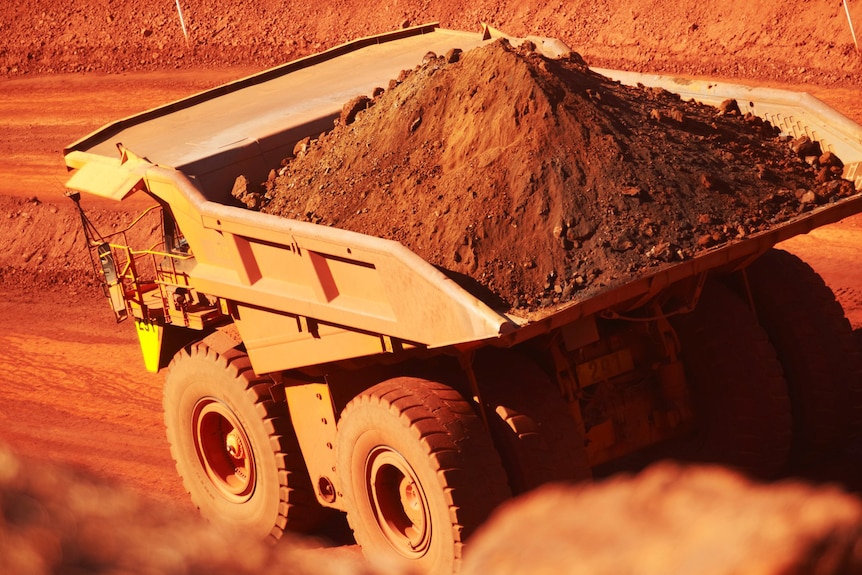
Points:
(233, 445)
(223, 450)
(398, 501)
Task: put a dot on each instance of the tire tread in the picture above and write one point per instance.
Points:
(302, 511)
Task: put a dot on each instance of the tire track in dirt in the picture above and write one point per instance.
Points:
(73, 390)
(833, 251)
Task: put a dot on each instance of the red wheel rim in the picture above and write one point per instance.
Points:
(223, 449)
(398, 502)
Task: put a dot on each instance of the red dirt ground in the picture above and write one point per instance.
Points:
(73, 387)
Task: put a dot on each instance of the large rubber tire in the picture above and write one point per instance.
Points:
(738, 389)
(816, 347)
(418, 473)
(530, 422)
(234, 446)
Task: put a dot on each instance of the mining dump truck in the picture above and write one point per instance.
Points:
(311, 370)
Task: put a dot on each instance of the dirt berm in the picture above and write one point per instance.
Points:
(672, 519)
(542, 180)
(669, 519)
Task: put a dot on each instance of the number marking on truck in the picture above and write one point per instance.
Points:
(604, 367)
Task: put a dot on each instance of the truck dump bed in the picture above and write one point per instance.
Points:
(296, 284)
(247, 127)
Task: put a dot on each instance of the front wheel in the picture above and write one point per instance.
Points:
(418, 472)
(234, 446)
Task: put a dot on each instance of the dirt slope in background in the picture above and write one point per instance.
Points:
(544, 181)
(786, 40)
(44, 245)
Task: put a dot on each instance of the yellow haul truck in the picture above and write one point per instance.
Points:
(311, 369)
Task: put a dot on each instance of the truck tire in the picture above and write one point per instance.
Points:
(816, 347)
(234, 447)
(418, 473)
(530, 422)
(739, 392)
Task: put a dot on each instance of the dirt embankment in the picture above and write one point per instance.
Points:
(44, 244)
(668, 519)
(671, 519)
(807, 42)
(544, 181)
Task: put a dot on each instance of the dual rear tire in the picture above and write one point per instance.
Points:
(816, 347)
(776, 382)
(420, 472)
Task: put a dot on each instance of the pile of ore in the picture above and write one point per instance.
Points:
(542, 180)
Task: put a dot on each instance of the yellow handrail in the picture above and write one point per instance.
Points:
(94, 243)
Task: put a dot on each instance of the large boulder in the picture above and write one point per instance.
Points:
(673, 520)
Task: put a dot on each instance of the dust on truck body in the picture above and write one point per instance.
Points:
(312, 369)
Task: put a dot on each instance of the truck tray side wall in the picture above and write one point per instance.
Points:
(355, 289)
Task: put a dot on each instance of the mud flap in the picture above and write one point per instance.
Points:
(150, 338)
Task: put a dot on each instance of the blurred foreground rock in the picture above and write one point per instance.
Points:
(59, 521)
(673, 520)
(668, 520)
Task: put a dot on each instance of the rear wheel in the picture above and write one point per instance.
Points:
(234, 446)
(816, 347)
(738, 389)
(418, 473)
(530, 423)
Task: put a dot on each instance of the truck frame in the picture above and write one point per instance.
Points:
(311, 369)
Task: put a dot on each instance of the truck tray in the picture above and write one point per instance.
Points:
(248, 126)
(329, 294)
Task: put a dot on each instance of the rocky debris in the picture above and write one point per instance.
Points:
(544, 181)
(805, 147)
(252, 199)
(352, 108)
(728, 107)
(668, 519)
(671, 519)
(55, 520)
